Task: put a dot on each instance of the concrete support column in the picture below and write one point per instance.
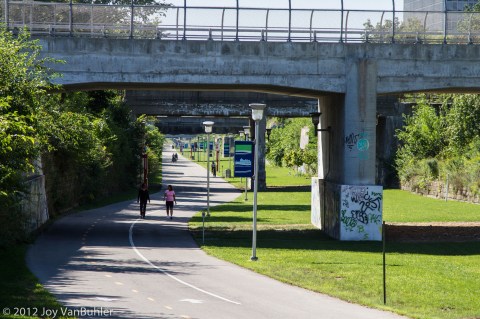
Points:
(262, 129)
(345, 202)
(359, 123)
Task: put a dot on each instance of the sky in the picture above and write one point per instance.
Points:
(309, 4)
(277, 18)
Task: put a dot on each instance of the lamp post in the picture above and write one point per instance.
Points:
(246, 131)
(230, 153)
(208, 129)
(257, 115)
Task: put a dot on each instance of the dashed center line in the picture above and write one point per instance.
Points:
(118, 283)
(134, 290)
(151, 299)
(169, 308)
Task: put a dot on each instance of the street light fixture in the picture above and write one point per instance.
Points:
(246, 130)
(316, 120)
(269, 131)
(208, 129)
(257, 115)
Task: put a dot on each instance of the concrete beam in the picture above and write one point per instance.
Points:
(299, 69)
(212, 103)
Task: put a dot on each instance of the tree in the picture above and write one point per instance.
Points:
(283, 148)
(462, 121)
(404, 31)
(23, 83)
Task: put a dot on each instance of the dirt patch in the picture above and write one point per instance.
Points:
(433, 232)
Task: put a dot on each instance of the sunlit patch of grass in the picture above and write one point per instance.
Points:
(424, 280)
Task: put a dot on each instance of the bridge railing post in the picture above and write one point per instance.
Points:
(184, 20)
(341, 21)
(311, 24)
(266, 24)
(7, 13)
(236, 26)
(289, 20)
(223, 17)
(445, 22)
(70, 18)
(393, 21)
(131, 19)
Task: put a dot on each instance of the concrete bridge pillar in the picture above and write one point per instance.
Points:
(345, 202)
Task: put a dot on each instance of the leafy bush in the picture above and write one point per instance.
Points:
(441, 143)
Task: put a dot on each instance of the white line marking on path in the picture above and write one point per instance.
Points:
(104, 299)
(132, 244)
(192, 300)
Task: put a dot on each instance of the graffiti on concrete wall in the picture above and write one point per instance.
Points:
(361, 212)
(358, 142)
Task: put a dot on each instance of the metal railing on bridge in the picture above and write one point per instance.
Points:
(240, 23)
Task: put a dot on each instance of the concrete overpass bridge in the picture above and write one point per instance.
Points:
(344, 77)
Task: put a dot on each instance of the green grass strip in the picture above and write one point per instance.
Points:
(21, 295)
(424, 280)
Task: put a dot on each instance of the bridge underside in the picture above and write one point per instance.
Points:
(193, 125)
(225, 104)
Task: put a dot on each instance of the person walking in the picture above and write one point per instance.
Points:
(214, 169)
(169, 197)
(143, 196)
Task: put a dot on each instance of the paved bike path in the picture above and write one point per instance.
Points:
(152, 268)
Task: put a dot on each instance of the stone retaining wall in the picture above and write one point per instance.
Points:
(437, 190)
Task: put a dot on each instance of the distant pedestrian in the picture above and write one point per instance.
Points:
(170, 198)
(214, 169)
(143, 196)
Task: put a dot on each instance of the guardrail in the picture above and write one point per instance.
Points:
(241, 23)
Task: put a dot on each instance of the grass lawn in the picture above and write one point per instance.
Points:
(19, 289)
(427, 280)
(402, 206)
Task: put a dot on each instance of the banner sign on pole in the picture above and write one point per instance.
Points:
(231, 142)
(226, 149)
(243, 159)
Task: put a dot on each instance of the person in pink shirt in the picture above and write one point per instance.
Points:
(169, 197)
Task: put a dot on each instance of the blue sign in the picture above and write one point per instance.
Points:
(226, 150)
(243, 159)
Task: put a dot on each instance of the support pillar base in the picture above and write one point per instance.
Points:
(347, 212)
